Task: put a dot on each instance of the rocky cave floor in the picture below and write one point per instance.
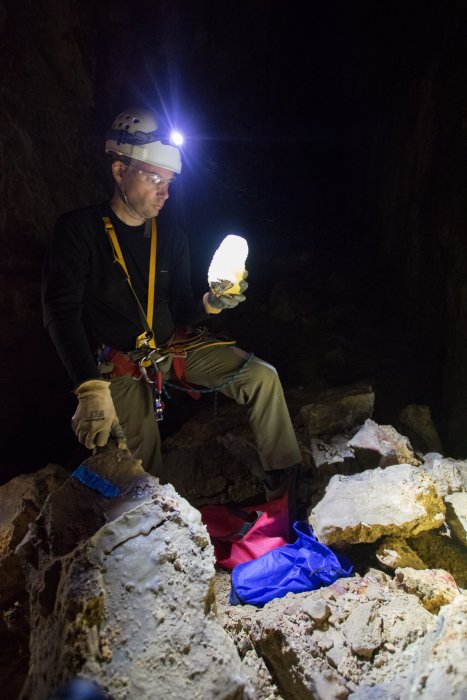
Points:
(396, 628)
(126, 591)
(380, 488)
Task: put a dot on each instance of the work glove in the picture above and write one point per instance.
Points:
(95, 416)
(217, 302)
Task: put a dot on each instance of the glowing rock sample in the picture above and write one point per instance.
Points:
(228, 265)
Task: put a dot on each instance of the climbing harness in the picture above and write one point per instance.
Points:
(144, 361)
(145, 353)
(146, 339)
(114, 363)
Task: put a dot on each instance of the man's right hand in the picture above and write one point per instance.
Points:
(95, 414)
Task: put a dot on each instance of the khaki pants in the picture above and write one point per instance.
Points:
(257, 387)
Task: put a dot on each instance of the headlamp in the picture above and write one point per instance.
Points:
(176, 138)
(141, 138)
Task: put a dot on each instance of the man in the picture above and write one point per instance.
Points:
(113, 281)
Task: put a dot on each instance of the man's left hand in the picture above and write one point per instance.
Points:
(215, 304)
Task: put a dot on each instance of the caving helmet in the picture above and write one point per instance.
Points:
(137, 133)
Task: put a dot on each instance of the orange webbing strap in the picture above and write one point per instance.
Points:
(146, 318)
(178, 364)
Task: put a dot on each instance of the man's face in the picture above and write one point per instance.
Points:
(146, 187)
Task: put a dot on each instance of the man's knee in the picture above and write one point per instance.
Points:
(264, 375)
(266, 365)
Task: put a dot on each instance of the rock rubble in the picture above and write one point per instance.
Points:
(124, 591)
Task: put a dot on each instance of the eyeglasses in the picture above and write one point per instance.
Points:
(154, 179)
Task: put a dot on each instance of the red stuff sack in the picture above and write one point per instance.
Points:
(242, 533)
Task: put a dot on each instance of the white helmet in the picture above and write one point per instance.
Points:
(135, 133)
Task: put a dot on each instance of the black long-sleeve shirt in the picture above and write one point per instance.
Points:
(81, 280)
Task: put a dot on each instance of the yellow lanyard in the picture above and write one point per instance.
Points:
(148, 336)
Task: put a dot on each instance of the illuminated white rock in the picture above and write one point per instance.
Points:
(228, 265)
(396, 501)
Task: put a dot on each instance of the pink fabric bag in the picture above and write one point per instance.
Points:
(241, 532)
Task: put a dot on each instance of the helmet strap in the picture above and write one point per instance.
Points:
(126, 201)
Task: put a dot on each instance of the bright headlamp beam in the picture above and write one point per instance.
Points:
(176, 138)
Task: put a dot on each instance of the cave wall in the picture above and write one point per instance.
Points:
(418, 183)
(67, 69)
(47, 161)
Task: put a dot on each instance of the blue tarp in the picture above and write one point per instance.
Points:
(304, 565)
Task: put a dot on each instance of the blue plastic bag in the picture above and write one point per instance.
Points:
(302, 566)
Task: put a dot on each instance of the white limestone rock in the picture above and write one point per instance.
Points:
(440, 669)
(380, 446)
(397, 500)
(131, 606)
(364, 629)
(433, 587)
(332, 457)
(395, 552)
(449, 475)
